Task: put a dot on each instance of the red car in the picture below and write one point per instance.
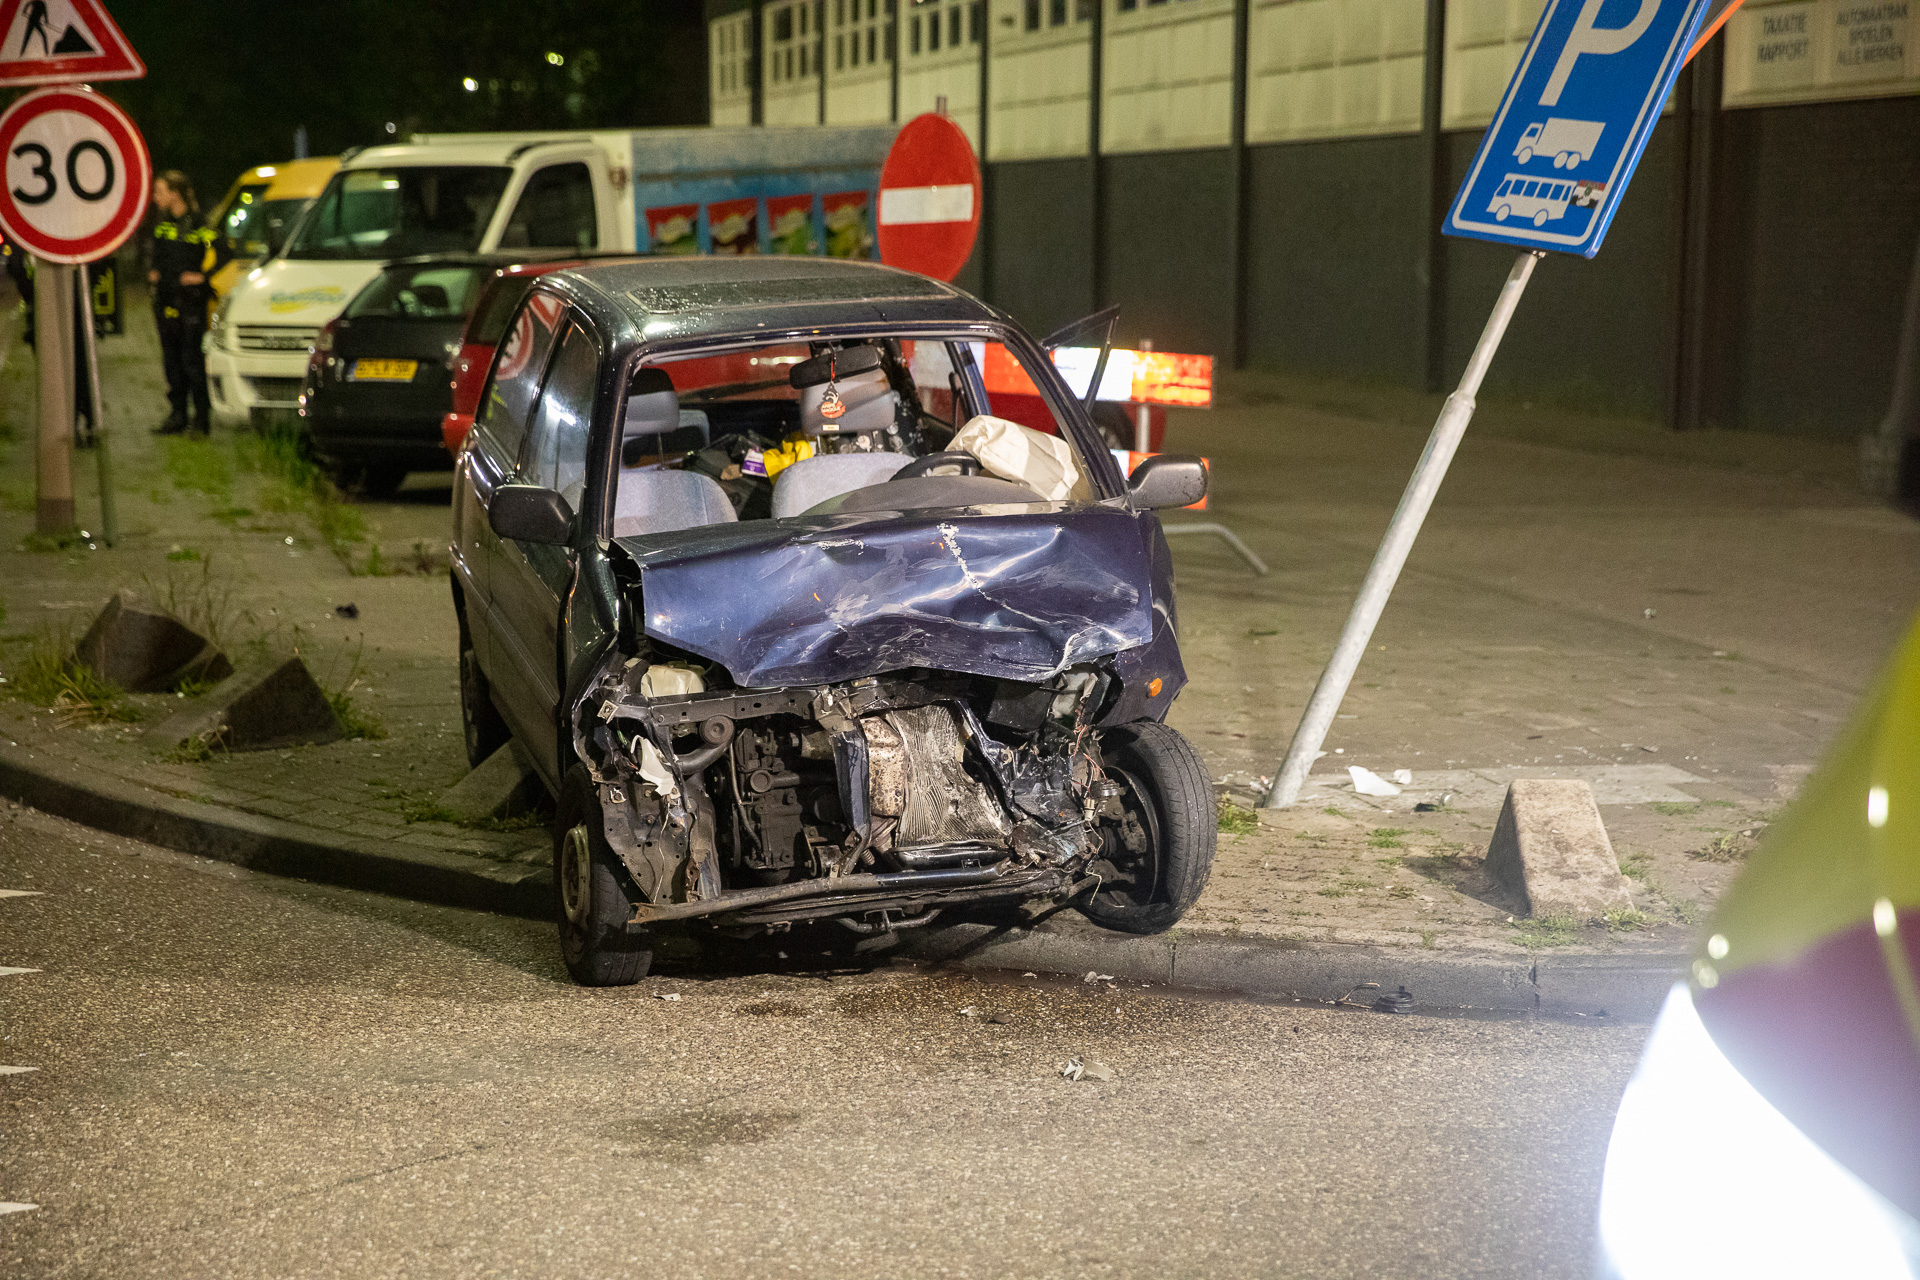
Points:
(486, 325)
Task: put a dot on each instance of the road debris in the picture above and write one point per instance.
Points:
(667, 995)
(1369, 783)
(1403, 776)
(1093, 977)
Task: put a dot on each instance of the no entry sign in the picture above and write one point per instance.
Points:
(929, 198)
(77, 175)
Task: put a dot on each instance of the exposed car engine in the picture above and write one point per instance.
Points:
(765, 806)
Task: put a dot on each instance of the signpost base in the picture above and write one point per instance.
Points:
(1401, 532)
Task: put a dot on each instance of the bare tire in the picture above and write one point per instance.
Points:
(591, 888)
(1155, 859)
(480, 721)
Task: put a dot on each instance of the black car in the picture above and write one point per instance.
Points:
(380, 378)
(795, 629)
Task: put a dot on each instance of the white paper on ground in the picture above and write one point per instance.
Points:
(1369, 783)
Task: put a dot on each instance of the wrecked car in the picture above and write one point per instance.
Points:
(796, 629)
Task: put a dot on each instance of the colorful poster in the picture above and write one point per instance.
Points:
(672, 229)
(733, 226)
(848, 235)
(790, 224)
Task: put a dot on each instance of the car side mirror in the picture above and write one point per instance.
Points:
(1167, 480)
(530, 513)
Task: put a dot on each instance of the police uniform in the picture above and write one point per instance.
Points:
(181, 245)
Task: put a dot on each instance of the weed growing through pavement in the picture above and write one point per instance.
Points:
(1427, 936)
(49, 677)
(1686, 910)
(1388, 837)
(1236, 820)
(1334, 812)
(1547, 931)
(355, 722)
(1624, 920)
(1733, 846)
(200, 465)
(1635, 865)
(201, 600)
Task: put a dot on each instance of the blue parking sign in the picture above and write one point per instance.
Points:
(1555, 162)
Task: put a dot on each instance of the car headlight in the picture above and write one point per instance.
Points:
(1705, 1178)
(217, 331)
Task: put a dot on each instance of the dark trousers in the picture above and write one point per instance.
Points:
(185, 363)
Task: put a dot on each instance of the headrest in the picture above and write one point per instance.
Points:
(837, 364)
(652, 404)
(649, 382)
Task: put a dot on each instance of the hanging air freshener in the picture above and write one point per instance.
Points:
(831, 405)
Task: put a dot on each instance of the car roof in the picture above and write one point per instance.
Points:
(693, 297)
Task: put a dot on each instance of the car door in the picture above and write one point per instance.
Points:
(500, 429)
(530, 581)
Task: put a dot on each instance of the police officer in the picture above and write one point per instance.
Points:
(184, 255)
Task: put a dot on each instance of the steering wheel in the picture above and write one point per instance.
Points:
(966, 462)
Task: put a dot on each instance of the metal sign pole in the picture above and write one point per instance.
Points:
(1387, 562)
(53, 340)
(109, 513)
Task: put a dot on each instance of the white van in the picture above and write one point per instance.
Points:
(1538, 199)
(394, 202)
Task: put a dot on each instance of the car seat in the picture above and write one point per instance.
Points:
(872, 404)
(657, 500)
(654, 423)
(811, 481)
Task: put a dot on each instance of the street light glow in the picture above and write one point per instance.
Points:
(556, 60)
(470, 84)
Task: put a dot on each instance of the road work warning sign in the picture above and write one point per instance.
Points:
(62, 41)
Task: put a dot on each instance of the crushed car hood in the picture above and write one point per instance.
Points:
(1014, 593)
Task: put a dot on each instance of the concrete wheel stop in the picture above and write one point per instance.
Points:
(271, 705)
(147, 650)
(1550, 851)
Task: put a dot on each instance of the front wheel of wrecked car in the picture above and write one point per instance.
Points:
(591, 888)
(1157, 849)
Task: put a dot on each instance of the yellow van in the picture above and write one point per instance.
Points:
(261, 208)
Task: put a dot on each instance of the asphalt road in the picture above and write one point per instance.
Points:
(241, 1076)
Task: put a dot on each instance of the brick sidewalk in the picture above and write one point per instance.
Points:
(1693, 618)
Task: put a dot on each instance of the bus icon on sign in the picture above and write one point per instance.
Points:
(1540, 200)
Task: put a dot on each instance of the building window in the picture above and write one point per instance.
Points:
(933, 32)
(1083, 10)
(873, 34)
(783, 25)
(953, 26)
(913, 35)
(1056, 13)
(803, 17)
(1033, 15)
(976, 20)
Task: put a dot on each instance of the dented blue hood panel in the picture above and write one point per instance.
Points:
(1016, 593)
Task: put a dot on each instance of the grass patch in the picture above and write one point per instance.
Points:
(200, 600)
(49, 677)
(1334, 811)
(1625, 920)
(1686, 910)
(1426, 938)
(1331, 892)
(1734, 846)
(356, 723)
(1236, 820)
(1400, 891)
(1546, 931)
(1355, 884)
(1388, 837)
(1635, 865)
(1263, 631)
(1675, 808)
(199, 466)
(180, 553)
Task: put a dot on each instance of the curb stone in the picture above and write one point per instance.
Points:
(1625, 987)
(267, 844)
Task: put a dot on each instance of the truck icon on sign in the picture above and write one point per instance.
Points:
(1567, 141)
(1539, 200)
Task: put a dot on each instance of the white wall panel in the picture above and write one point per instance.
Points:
(1167, 72)
(1485, 39)
(1038, 85)
(1334, 68)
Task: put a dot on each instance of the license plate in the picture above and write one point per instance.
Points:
(384, 370)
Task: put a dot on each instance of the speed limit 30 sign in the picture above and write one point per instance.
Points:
(77, 174)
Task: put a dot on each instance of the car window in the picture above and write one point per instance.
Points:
(554, 212)
(555, 455)
(426, 292)
(516, 376)
(496, 308)
(407, 209)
